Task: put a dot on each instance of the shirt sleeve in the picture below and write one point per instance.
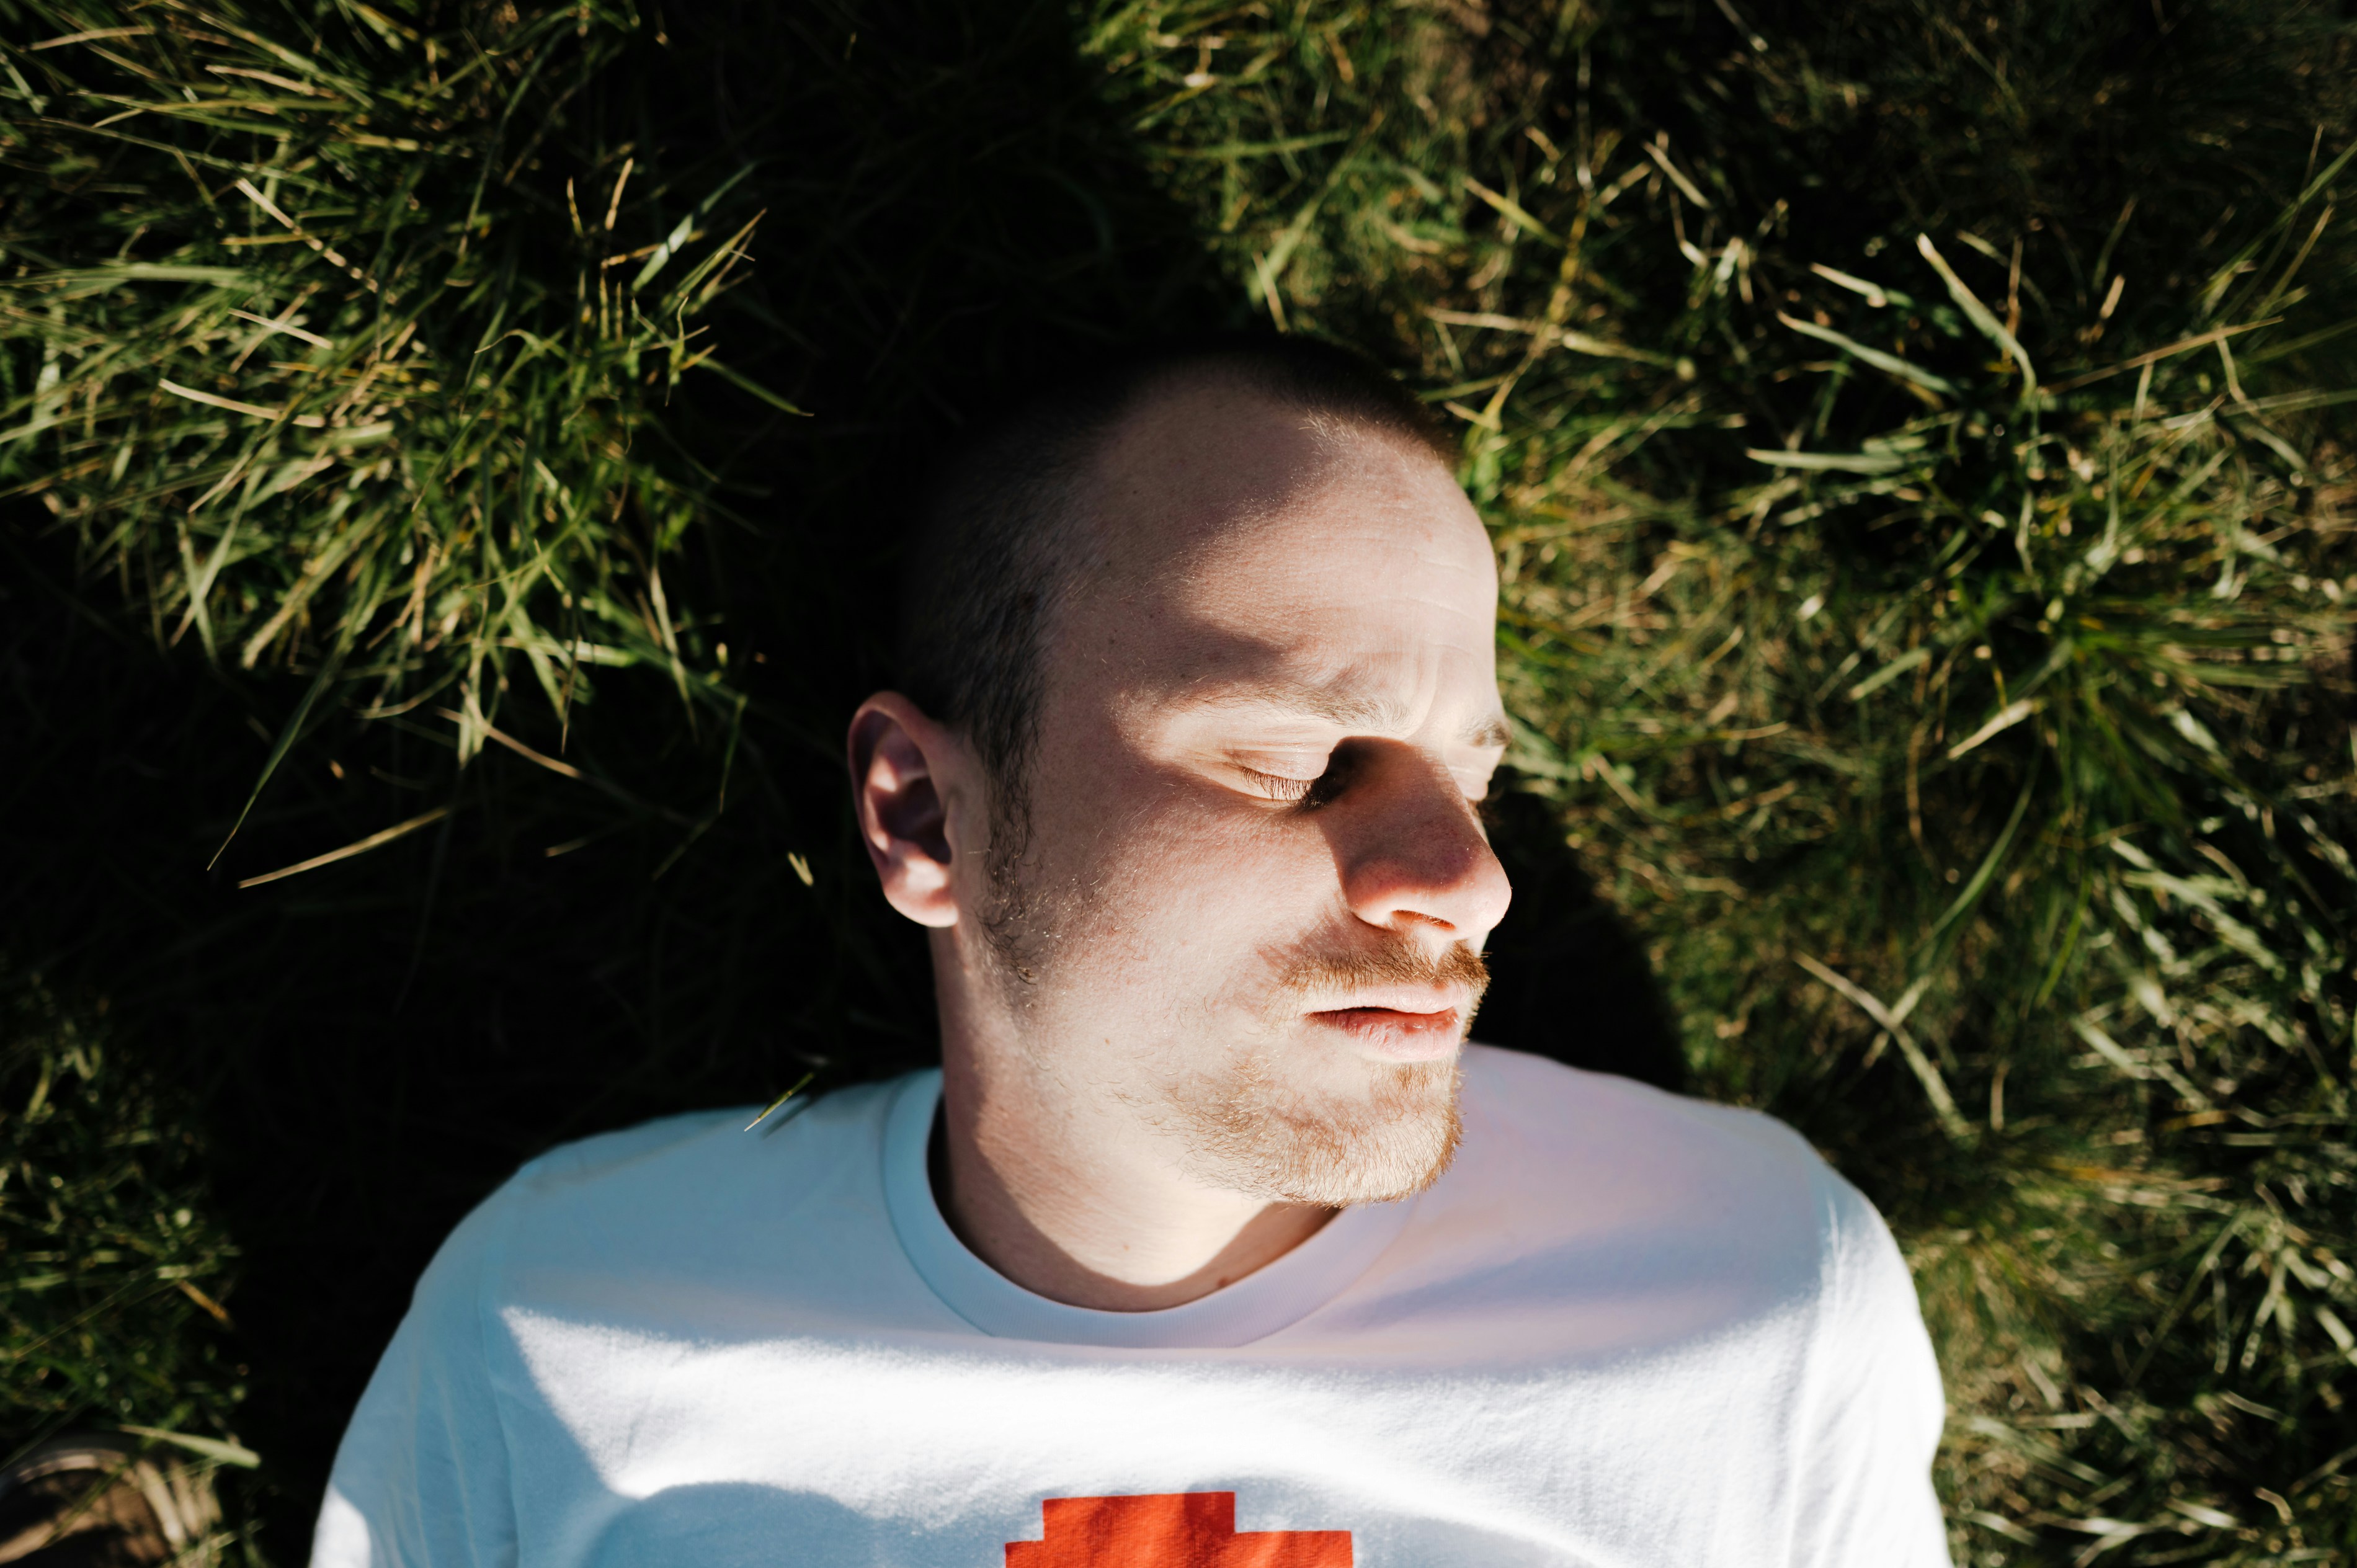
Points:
(1872, 1408)
(421, 1477)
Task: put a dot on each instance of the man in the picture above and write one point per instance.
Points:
(1210, 1243)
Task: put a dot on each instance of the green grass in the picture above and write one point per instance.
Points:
(119, 1263)
(1916, 438)
(385, 410)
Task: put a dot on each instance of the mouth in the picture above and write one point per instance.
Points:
(1400, 1029)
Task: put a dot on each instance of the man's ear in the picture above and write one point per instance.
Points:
(898, 788)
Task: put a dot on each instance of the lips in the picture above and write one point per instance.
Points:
(1405, 1028)
(1425, 998)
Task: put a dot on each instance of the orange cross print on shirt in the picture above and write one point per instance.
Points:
(1169, 1529)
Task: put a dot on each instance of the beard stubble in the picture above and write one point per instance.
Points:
(1248, 1127)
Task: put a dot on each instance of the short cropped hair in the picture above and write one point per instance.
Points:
(997, 544)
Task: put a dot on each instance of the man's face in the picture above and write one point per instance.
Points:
(1251, 905)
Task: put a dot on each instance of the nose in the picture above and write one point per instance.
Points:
(1413, 856)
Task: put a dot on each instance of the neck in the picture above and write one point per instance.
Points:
(1070, 1200)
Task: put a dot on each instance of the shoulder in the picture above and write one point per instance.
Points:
(657, 1161)
(1588, 1149)
(1533, 1116)
(1586, 1178)
(673, 1188)
(1595, 1149)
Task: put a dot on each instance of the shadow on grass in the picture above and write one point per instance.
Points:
(1569, 979)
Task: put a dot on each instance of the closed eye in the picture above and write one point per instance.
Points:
(1280, 786)
(1340, 765)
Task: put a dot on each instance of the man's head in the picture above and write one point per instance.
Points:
(1200, 695)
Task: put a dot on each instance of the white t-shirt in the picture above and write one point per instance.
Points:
(1625, 1330)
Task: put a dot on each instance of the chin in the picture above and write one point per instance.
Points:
(1388, 1137)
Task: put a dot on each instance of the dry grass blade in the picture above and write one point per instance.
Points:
(359, 846)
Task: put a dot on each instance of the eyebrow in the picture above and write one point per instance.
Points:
(1353, 710)
(1492, 731)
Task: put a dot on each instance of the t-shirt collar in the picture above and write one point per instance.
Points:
(1274, 1296)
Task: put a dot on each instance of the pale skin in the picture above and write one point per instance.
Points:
(1266, 727)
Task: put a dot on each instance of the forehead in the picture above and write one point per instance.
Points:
(1237, 535)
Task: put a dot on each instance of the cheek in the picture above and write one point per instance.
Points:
(1175, 874)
